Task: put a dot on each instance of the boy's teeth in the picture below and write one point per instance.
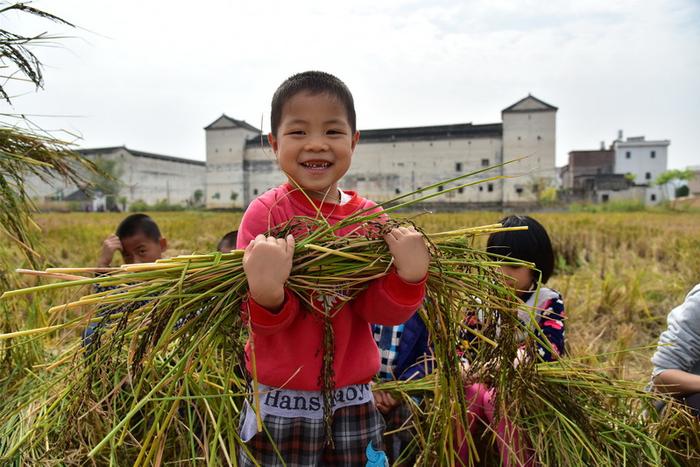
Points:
(316, 165)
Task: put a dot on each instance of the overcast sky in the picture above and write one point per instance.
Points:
(151, 74)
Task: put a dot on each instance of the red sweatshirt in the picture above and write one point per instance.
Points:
(289, 343)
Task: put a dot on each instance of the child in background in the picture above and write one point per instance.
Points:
(677, 358)
(534, 246)
(139, 240)
(313, 135)
(405, 355)
(227, 242)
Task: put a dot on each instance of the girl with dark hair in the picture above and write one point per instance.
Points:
(534, 246)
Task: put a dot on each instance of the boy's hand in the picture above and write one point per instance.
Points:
(411, 255)
(384, 401)
(109, 246)
(267, 262)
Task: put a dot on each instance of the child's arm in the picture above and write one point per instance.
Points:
(679, 349)
(109, 246)
(552, 326)
(677, 382)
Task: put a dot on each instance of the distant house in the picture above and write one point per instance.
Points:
(643, 160)
(88, 201)
(587, 164)
(143, 176)
(627, 170)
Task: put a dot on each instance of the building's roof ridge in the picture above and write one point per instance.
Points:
(429, 133)
(529, 96)
(235, 122)
(137, 153)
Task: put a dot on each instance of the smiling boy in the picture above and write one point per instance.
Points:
(314, 134)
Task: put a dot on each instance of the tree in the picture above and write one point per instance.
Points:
(674, 175)
(108, 180)
(198, 196)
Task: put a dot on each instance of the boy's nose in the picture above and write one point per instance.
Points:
(316, 145)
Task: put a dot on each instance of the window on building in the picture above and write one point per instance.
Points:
(484, 162)
(519, 190)
(539, 137)
(460, 190)
(400, 164)
(653, 154)
(255, 191)
(490, 187)
(458, 166)
(653, 197)
(605, 198)
(441, 188)
(628, 155)
(397, 191)
(648, 176)
(481, 188)
(519, 138)
(216, 196)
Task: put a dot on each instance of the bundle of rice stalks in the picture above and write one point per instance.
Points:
(164, 369)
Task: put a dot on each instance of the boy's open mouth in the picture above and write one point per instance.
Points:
(316, 165)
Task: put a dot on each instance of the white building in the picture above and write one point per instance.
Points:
(143, 176)
(645, 161)
(389, 162)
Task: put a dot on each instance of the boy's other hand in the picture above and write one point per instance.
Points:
(411, 255)
(384, 401)
(109, 246)
(267, 262)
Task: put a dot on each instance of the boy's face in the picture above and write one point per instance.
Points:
(314, 143)
(139, 248)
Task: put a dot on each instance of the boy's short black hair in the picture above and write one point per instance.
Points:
(532, 245)
(313, 82)
(136, 223)
(229, 239)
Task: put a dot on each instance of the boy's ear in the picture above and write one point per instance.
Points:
(273, 142)
(163, 244)
(355, 139)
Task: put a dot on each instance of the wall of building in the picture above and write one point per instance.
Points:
(225, 178)
(384, 170)
(646, 160)
(152, 180)
(262, 171)
(143, 178)
(530, 133)
(637, 193)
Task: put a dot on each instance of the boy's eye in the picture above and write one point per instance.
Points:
(335, 132)
(295, 132)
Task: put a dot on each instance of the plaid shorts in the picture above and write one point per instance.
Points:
(302, 441)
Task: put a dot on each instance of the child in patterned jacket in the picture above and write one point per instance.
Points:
(533, 246)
